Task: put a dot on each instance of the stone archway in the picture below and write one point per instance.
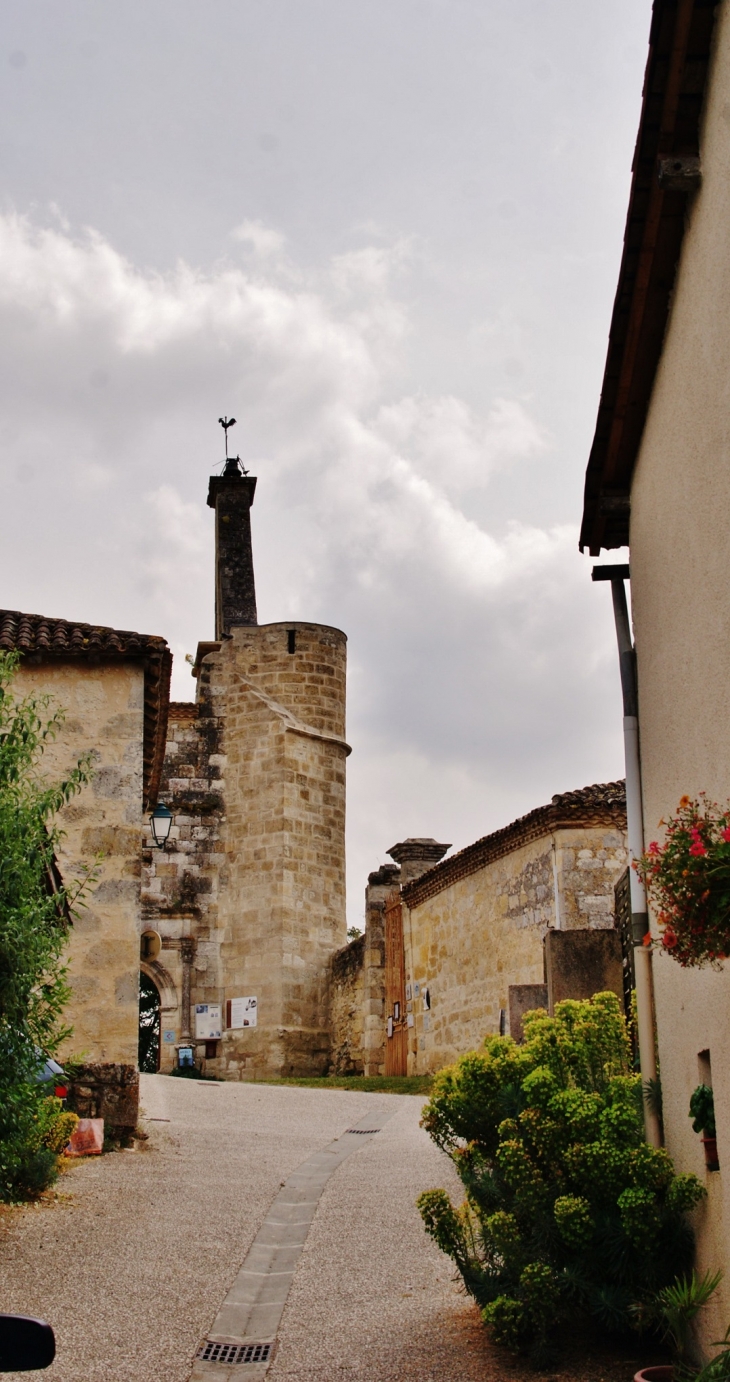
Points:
(148, 1056)
(164, 983)
(167, 1014)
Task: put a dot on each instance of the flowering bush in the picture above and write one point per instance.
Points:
(567, 1210)
(688, 881)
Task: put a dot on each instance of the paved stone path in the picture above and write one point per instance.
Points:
(141, 1256)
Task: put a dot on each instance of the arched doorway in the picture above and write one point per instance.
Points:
(149, 1026)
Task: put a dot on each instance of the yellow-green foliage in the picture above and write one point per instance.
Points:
(58, 1134)
(567, 1207)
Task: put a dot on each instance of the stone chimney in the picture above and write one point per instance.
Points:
(231, 495)
(415, 856)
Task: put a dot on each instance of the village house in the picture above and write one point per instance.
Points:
(114, 688)
(455, 948)
(658, 479)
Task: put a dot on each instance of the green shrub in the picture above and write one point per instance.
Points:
(567, 1209)
(34, 1129)
(35, 912)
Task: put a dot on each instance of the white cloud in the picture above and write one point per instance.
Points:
(474, 650)
(263, 240)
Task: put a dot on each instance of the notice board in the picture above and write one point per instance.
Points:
(241, 1012)
(207, 1021)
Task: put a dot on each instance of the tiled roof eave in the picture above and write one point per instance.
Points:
(538, 824)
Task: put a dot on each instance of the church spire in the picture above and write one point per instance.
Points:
(231, 495)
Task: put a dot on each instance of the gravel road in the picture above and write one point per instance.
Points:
(133, 1259)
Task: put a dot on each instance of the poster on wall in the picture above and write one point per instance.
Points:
(242, 1012)
(207, 1021)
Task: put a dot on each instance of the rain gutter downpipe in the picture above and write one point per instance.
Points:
(617, 575)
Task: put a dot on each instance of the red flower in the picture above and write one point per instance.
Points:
(670, 939)
(726, 834)
(697, 849)
(654, 847)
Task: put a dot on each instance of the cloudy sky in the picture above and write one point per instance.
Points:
(385, 236)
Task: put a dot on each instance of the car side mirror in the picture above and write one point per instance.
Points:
(25, 1344)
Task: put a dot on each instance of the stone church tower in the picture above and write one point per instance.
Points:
(249, 894)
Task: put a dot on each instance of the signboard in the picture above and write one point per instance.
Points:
(185, 1056)
(207, 1021)
(241, 1012)
(169, 1036)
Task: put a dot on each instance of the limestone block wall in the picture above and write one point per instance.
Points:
(347, 1008)
(588, 865)
(181, 885)
(105, 708)
(468, 942)
(279, 691)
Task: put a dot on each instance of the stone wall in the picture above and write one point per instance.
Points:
(472, 939)
(357, 986)
(181, 885)
(105, 707)
(347, 1008)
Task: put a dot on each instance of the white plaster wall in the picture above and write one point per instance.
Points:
(680, 570)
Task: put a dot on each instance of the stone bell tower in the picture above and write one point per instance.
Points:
(262, 804)
(231, 495)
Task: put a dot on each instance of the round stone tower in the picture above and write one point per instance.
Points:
(271, 701)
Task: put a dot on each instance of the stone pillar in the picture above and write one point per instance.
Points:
(416, 856)
(582, 962)
(521, 999)
(379, 885)
(188, 946)
(231, 495)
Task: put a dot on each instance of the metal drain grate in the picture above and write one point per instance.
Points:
(234, 1353)
(364, 1132)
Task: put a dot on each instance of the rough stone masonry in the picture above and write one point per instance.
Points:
(249, 895)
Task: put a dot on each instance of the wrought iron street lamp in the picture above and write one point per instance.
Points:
(161, 820)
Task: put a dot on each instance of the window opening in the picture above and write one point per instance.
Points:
(291, 635)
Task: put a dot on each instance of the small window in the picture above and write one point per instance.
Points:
(291, 635)
(705, 1069)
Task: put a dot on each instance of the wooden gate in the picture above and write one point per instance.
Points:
(396, 1042)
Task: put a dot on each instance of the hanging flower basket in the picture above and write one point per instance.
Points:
(688, 882)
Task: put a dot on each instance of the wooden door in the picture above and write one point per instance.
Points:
(396, 1041)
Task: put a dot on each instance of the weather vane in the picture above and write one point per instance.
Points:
(233, 463)
(225, 423)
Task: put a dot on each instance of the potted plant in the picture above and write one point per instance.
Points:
(702, 1112)
(673, 1312)
(688, 882)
